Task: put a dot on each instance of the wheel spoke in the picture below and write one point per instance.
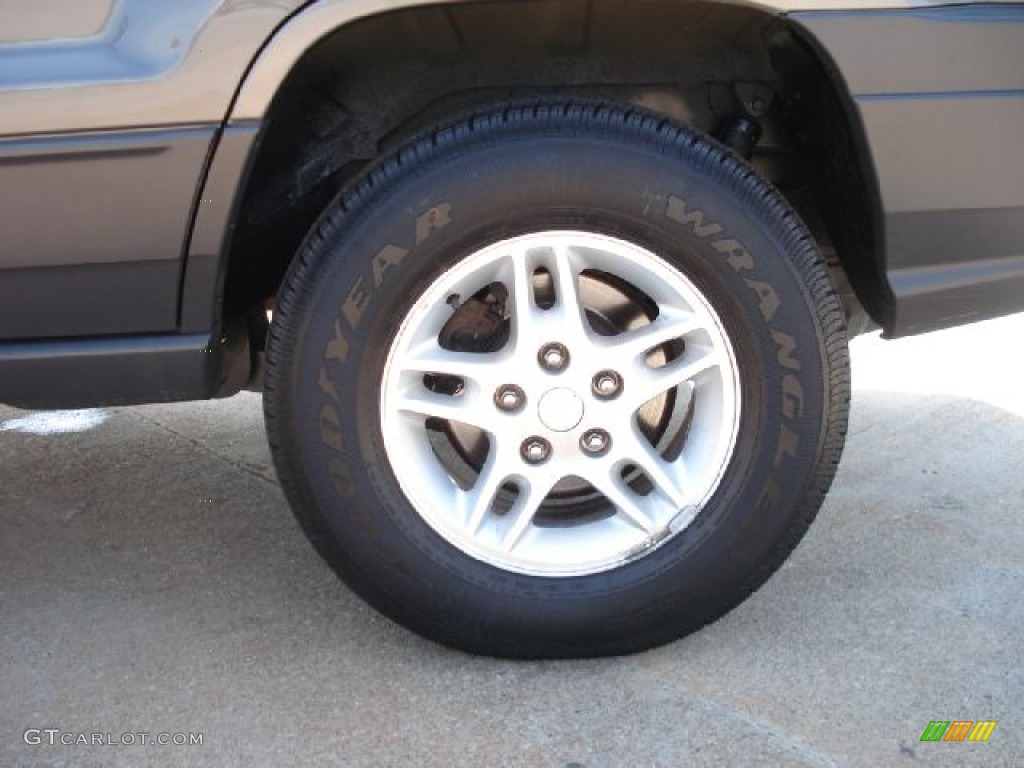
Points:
(565, 321)
(665, 327)
(628, 504)
(569, 313)
(524, 305)
(647, 383)
(478, 501)
(670, 479)
(468, 366)
(465, 407)
(532, 493)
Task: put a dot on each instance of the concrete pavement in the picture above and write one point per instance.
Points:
(154, 581)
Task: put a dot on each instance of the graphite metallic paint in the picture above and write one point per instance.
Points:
(154, 62)
(27, 21)
(945, 129)
(184, 59)
(206, 265)
(92, 228)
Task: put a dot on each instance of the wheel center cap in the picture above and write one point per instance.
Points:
(560, 409)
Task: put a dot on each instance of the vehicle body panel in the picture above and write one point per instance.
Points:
(159, 63)
(940, 94)
(127, 127)
(92, 230)
(107, 370)
(204, 271)
(154, 63)
(108, 114)
(27, 21)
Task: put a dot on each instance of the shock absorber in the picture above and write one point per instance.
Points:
(740, 134)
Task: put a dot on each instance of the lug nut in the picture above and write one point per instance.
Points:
(606, 385)
(553, 356)
(595, 442)
(509, 398)
(535, 450)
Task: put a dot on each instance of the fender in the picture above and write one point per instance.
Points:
(225, 182)
(126, 61)
(927, 279)
(324, 17)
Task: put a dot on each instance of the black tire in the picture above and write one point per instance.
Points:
(593, 167)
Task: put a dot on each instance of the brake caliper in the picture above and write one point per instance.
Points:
(478, 324)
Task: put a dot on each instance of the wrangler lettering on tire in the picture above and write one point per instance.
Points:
(557, 380)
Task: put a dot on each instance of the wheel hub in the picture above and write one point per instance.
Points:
(560, 409)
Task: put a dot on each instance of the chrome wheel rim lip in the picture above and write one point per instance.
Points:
(636, 524)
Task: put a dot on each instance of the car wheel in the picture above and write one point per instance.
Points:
(557, 381)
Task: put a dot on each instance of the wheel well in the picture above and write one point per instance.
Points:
(370, 85)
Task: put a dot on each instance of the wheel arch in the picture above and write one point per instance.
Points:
(335, 41)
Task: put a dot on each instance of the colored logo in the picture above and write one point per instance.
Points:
(958, 730)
